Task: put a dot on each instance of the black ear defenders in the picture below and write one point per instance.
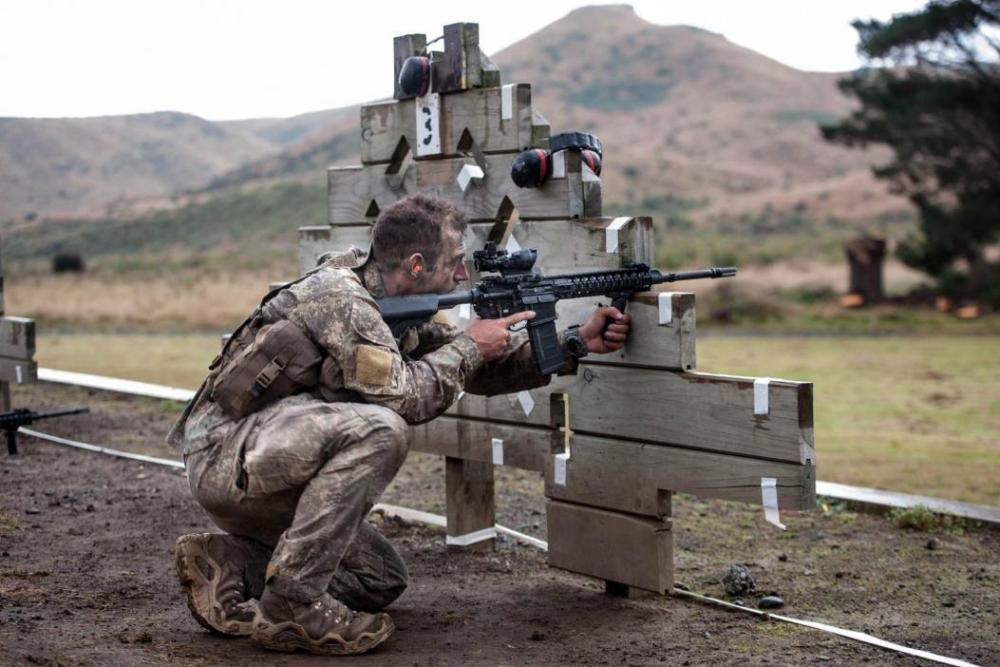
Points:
(531, 168)
(415, 76)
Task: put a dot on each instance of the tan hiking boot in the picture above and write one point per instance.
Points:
(325, 627)
(219, 573)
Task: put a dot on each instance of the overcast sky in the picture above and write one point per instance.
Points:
(226, 59)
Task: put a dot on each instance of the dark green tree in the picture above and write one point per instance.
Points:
(931, 93)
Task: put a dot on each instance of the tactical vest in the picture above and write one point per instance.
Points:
(264, 362)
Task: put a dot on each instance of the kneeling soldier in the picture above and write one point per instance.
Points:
(302, 422)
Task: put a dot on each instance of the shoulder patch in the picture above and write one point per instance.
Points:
(373, 365)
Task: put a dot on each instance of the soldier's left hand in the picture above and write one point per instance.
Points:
(601, 340)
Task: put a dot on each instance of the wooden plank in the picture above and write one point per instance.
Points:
(17, 338)
(402, 48)
(540, 130)
(357, 194)
(670, 345)
(491, 72)
(470, 503)
(574, 246)
(632, 476)
(620, 548)
(18, 371)
(697, 410)
(520, 446)
(460, 69)
(385, 124)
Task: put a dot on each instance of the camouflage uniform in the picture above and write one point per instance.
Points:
(301, 474)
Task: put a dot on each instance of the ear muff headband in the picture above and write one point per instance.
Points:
(578, 141)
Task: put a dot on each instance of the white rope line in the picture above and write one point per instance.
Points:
(171, 463)
(858, 494)
(437, 520)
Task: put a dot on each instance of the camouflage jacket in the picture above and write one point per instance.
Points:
(418, 376)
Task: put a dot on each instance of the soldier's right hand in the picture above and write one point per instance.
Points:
(492, 336)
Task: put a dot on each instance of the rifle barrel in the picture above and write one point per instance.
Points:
(713, 272)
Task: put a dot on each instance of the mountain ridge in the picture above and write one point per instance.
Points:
(682, 112)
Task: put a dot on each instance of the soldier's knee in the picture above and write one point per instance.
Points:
(392, 434)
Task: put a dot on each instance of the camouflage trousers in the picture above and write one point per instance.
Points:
(301, 476)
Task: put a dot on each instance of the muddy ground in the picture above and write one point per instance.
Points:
(86, 573)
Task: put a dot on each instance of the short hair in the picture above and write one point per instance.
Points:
(414, 224)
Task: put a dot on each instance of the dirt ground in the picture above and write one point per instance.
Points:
(86, 573)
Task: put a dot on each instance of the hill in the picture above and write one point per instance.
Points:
(714, 140)
(686, 115)
(87, 167)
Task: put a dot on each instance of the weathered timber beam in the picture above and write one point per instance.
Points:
(18, 371)
(518, 446)
(498, 119)
(17, 338)
(631, 476)
(357, 194)
(620, 548)
(699, 410)
(662, 334)
(470, 504)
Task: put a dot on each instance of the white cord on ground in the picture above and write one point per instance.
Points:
(437, 520)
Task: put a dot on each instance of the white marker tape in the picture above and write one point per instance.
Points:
(611, 234)
(559, 165)
(17, 371)
(507, 102)
(769, 496)
(760, 390)
(467, 174)
(512, 244)
(559, 473)
(497, 452)
(471, 538)
(665, 301)
(464, 311)
(526, 401)
(428, 120)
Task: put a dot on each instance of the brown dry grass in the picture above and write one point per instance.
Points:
(181, 302)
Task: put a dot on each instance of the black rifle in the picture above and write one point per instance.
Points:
(517, 288)
(15, 419)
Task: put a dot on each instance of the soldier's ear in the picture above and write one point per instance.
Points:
(416, 265)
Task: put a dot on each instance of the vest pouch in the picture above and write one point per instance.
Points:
(280, 361)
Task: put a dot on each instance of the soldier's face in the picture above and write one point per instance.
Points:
(450, 269)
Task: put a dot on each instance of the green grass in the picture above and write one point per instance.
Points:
(175, 360)
(907, 413)
(903, 413)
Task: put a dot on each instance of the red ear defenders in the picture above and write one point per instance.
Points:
(415, 76)
(531, 168)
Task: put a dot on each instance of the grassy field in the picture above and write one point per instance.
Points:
(906, 413)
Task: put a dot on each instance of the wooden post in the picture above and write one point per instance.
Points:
(865, 256)
(4, 386)
(470, 509)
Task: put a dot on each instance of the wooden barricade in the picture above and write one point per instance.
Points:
(629, 429)
(17, 354)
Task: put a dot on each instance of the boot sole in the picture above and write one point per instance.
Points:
(202, 590)
(289, 637)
